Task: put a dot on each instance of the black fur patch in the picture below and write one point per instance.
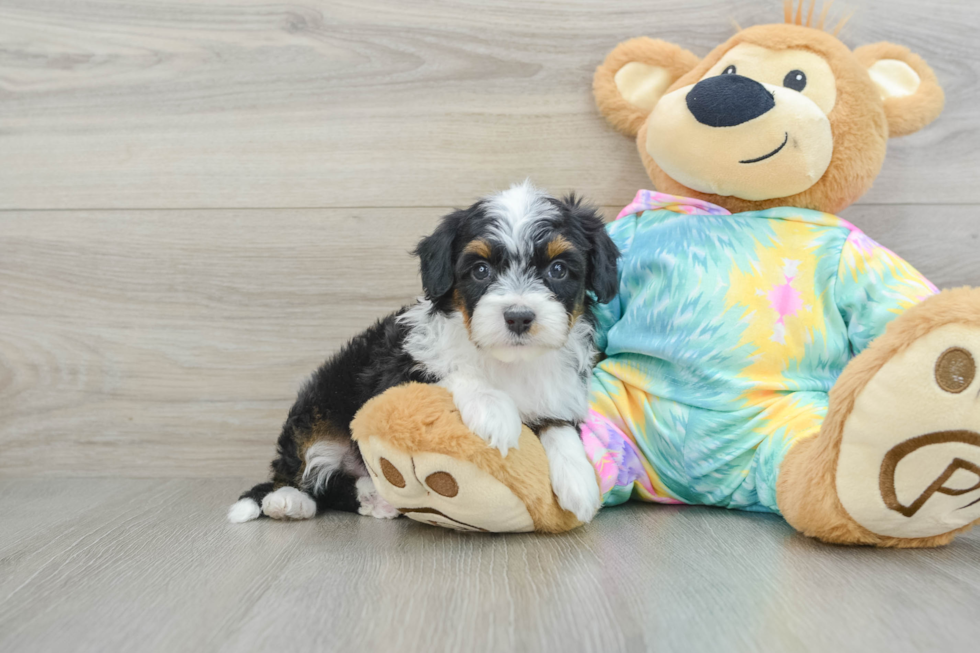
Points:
(582, 226)
(539, 425)
(438, 254)
(258, 493)
(369, 364)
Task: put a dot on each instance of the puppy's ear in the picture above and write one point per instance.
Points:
(603, 278)
(435, 254)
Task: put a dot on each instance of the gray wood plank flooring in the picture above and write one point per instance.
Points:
(151, 565)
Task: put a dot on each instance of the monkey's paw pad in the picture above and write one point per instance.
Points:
(909, 463)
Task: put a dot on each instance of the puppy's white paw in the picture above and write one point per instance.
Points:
(288, 503)
(573, 478)
(577, 492)
(372, 503)
(492, 415)
(243, 510)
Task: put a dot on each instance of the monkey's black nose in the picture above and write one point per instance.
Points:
(519, 320)
(728, 100)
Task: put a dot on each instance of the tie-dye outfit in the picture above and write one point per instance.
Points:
(726, 336)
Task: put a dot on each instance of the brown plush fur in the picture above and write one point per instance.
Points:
(807, 487)
(418, 418)
(622, 115)
(857, 122)
(907, 115)
(860, 121)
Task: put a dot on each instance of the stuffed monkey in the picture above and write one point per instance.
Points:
(762, 354)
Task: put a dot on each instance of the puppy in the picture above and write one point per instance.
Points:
(505, 324)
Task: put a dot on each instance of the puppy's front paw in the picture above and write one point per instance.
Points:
(492, 415)
(371, 503)
(289, 503)
(577, 492)
(573, 478)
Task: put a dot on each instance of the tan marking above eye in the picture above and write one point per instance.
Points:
(442, 483)
(392, 474)
(558, 245)
(478, 247)
(955, 370)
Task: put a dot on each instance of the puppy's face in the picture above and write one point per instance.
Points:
(518, 267)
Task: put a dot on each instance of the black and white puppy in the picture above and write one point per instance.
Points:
(505, 324)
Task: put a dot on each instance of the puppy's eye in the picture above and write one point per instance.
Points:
(729, 71)
(481, 271)
(557, 270)
(795, 79)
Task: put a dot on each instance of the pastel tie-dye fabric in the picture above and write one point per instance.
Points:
(725, 338)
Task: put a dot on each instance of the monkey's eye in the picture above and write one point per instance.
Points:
(557, 270)
(481, 271)
(795, 79)
(729, 71)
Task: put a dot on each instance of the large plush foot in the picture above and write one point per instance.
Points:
(427, 465)
(909, 463)
(904, 424)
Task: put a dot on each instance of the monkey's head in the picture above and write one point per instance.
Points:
(779, 115)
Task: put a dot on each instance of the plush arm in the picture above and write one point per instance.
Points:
(874, 286)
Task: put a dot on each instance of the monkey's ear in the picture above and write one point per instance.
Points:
(633, 78)
(907, 85)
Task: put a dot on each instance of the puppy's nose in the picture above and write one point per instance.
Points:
(728, 100)
(519, 319)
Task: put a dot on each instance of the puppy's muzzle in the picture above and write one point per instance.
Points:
(519, 320)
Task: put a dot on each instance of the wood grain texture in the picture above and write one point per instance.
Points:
(367, 103)
(163, 343)
(122, 565)
(158, 323)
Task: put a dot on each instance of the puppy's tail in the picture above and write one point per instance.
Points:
(249, 505)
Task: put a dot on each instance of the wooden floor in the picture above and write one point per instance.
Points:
(150, 565)
(200, 200)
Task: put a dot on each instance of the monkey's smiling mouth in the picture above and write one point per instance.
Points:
(773, 153)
